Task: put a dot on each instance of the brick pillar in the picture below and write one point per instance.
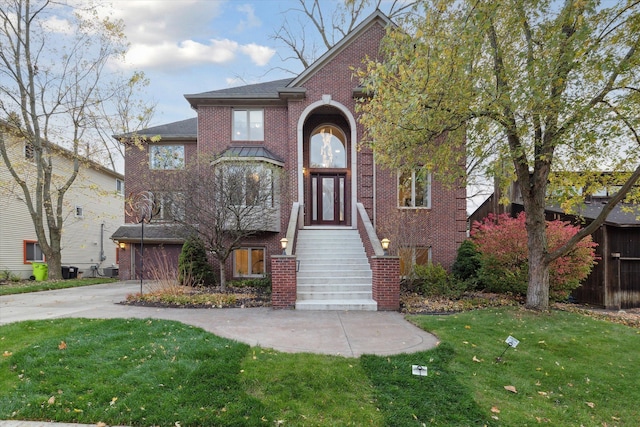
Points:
(386, 282)
(283, 281)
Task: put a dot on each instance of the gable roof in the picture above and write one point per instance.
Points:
(180, 130)
(377, 17)
(278, 90)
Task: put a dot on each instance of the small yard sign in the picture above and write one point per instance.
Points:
(419, 370)
(512, 342)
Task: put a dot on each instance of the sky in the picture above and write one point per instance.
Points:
(193, 46)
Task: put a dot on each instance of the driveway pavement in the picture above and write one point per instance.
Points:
(344, 333)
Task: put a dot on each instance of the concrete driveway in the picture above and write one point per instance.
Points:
(344, 333)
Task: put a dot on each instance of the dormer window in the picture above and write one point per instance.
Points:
(248, 125)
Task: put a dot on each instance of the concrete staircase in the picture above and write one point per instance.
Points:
(334, 272)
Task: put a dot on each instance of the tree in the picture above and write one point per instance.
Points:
(225, 202)
(193, 265)
(558, 81)
(307, 43)
(502, 242)
(53, 76)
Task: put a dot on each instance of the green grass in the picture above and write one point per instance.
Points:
(32, 286)
(568, 370)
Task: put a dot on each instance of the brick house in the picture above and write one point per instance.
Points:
(337, 202)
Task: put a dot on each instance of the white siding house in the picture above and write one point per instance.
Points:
(93, 210)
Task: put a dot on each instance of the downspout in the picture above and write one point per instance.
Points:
(375, 198)
(102, 257)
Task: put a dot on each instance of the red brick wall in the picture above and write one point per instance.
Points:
(283, 281)
(386, 282)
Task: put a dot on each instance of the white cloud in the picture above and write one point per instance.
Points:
(188, 53)
(58, 25)
(251, 20)
(153, 22)
(260, 55)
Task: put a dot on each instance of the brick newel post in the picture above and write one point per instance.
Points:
(283, 281)
(386, 282)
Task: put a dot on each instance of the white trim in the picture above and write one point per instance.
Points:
(327, 100)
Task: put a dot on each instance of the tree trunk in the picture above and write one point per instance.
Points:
(538, 289)
(223, 276)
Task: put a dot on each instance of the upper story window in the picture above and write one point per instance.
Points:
(32, 252)
(28, 150)
(414, 189)
(248, 184)
(78, 212)
(119, 186)
(168, 206)
(248, 125)
(328, 148)
(166, 157)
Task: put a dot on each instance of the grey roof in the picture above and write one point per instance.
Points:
(183, 129)
(255, 152)
(153, 233)
(622, 215)
(264, 90)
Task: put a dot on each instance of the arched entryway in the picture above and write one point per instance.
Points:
(328, 171)
(327, 175)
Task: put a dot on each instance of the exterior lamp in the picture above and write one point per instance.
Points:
(283, 244)
(385, 245)
(122, 245)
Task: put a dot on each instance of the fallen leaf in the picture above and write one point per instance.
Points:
(62, 345)
(475, 359)
(510, 388)
(101, 424)
(113, 401)
(495, 410)
(51, 400)
(6, 353)
(543, 393)
(467, 326)
(590, 404)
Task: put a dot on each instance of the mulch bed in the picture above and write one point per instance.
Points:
(246, 297)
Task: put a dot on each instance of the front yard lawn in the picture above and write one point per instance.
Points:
(568, 369)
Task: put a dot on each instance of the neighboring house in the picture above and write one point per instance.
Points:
(614, 282)
(337, 202)
(92, 212)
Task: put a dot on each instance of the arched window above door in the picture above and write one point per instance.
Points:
(328, 148)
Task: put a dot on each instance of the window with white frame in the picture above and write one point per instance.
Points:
(166, 157)
(414, 189)
(248, 125)
(119, 186)
(248, 184)
(248, 262)
(32, 252)
(28, 150)
(168, 206)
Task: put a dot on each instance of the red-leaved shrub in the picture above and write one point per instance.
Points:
(502, 243)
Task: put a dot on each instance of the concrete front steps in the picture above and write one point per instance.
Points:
(334, 272)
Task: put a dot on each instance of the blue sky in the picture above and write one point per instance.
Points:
(192, 46)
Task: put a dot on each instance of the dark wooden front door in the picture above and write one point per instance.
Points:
(328, 195)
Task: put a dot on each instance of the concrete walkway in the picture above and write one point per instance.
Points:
(344, 333)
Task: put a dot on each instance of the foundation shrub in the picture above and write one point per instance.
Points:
(193, 265)
(432, 280)
(502, 242)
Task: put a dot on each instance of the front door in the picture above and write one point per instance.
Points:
(328, 198)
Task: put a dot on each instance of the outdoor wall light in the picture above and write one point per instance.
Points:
(122, 245)
(385, 245)
(283, 244)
